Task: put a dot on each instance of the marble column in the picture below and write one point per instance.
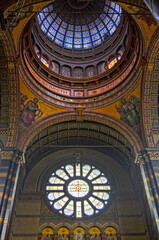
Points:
(10, 162)
(148, 161)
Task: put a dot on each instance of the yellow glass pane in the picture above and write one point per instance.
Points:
(111, 232)
(112, 63)
(47, 231)
(44, 62)
(79, 228)
(63, 230)
(94, 231)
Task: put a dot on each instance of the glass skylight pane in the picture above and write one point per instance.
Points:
(49, 19)
(77, 34)
(43, 28)
(69, 46)
(68, 40)
(62, 30)
(87, 46)
(60, 36)
(93, 31)
(69, 34)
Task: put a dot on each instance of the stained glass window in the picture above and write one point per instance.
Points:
(86, 36)
(113, 62)
(45, 62)
(78, 190)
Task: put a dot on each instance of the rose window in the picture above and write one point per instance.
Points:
(78, 190)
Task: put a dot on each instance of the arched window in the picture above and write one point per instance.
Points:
(78, 190)
(78, 72)
(66, 71)
(79, 229)
(55, 67)
(113, 61)
(63, 233)
(47, 233)
(95, 232)
(45, 60)
(37, 50)
(111, 233)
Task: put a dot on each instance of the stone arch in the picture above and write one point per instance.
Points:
(150, 84)
(43, 123)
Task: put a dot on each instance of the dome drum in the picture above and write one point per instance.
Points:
(69, 79)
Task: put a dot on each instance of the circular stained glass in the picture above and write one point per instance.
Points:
(78, 190)
(70, 28)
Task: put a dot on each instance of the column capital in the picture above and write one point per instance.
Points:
(153, 153)
(142, 158)
(12, 154)
(147, 155)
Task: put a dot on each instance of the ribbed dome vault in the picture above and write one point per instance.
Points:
(73, 24)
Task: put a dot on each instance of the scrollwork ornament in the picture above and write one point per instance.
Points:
(154, 155)
(140, 161)
(11, 155)
(6, 154)
(146, 157)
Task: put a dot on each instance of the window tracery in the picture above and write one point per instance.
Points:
(78, 190)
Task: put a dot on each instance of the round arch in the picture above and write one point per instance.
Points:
(150, 84)
(58, 118)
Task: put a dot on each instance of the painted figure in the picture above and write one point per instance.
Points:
(129, 111)
(79, 235)
(30, 112)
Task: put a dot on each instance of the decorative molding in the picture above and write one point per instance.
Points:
(154, 155)
(146, 85)
(13, 155)
(13, 82)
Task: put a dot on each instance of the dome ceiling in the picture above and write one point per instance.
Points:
(79, 76)
(79, 25)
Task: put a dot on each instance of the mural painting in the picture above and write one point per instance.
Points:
(144, 15)
(129, 111)
(29, 111)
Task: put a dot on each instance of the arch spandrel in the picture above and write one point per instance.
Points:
(9, 91)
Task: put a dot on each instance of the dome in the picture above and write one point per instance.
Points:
(79, 25)
(80, 75)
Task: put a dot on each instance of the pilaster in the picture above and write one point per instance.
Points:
(10, 162)
(148, 161)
